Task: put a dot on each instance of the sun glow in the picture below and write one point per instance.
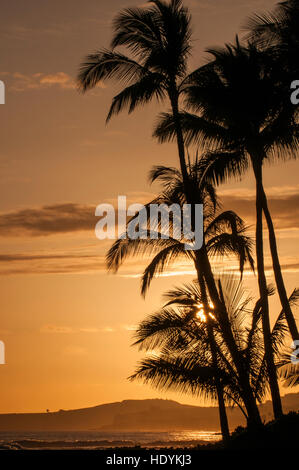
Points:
(201, 315)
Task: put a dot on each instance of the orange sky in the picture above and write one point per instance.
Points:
(67, 324)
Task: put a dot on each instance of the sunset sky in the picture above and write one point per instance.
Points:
(67, 324)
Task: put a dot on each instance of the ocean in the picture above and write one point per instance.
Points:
(98, 439)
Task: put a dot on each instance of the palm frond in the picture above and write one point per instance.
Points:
(105, 65)
(126, 247)
(137, 29)
(161, 327)
(289, 374)
(163, 259)
(195, 128)
(180, 374)
(164, 174)
(225, 244)
(219, 166)
(139, 93)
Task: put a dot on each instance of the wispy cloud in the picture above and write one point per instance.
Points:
(61, 329)
(31, 263)
(76, 261)
(48, 220)
(58, 218)
(130, 327)
(72, 218)
(70, 330)
(22, 32)
(213, 5)
(34, 257)
(75, 351)
(21, 82)
(283, 204)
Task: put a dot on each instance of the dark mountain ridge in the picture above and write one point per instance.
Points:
(135, 415)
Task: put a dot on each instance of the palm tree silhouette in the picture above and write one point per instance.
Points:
(289, 373)
(243, 116)
(169, 321)
(279, 29)
(158, 40)
(223, 234)
(183, 357)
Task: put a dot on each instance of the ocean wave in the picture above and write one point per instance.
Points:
(100, 440)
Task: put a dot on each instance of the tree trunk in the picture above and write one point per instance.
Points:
(254, 419)
(222, 412)
(221, 404)
(174, 99)
(249, 399)
(276, 400)
(277, 273)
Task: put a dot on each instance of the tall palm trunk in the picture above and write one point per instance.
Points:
(181, 151)
(276, 400)
(277, 272)
(254, 418)
(174, 100)
(219, 389)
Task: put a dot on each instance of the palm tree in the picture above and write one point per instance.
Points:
(183, 359)
(241, 115)
(193, 299)
(208, 317)
(223, 234)
(187, 339)
(288, 367)
(158, 40)
(280, 29)
(290, 375)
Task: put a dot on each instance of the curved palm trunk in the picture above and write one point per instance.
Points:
(173, 94)
(221, 404)
(278, 274)
(254, 418)
(276, 400)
